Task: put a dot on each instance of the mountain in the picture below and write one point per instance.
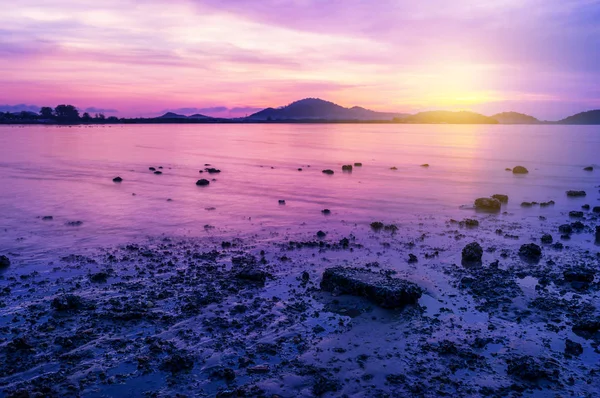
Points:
(589, 117)
(199, 116)
(171, 115)
(448, 117)
(318, 109)
(514, 118)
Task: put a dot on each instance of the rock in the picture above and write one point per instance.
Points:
(393, 228)
(47, 218)
(321, 234)
(547, 239)
(258, 369)
(69, 302)
(328, 171)
(117, 179)
(74, 223)
(305, 276)
(531, 369)
(203, 182)
(487, 204)
(472, 253)
(252, 274)
(579, 275)
(326, 212)
(425, 165)
(412, 258)
(576, 194)
(152, 168)
(501, 198)
(281, 201)
(299, 168)
(357, 164)
(347, 167)
(212, 170)
(597, 234)
(99, 277)
(587, 327)
(546, 204)
(576, 214)
(578, 226)
(596, 209)
(469, 222)
(526, 204)
(589, 168)
(565, 229)
(393, 168)
(4, 262)
(383, 290)
(530, 251)
(508, 169)
(157, 172)
(585, 207)
(520, 170)
(177, 363)
(376, 225)
(573, 348)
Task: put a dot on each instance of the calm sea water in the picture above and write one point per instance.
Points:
(67, 172)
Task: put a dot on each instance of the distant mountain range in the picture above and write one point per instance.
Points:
(316, 110)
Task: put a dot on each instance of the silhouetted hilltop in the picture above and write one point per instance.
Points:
(514, 118)
(171, 115)
(318, 109)
(449, 117)
(199, 116)
(589, 117)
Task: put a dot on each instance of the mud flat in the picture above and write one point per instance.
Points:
(251, 315)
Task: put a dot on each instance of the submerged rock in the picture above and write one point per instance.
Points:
(4, 261)
(520, 170)
(472, 253)
(501, 198)
(487, 204)
(117, 179)
(47, 218)
(383, 290)
(576, 194)
(530, 251)
(328, 171)
(203, 182)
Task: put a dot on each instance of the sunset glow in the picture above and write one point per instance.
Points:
(231, 58)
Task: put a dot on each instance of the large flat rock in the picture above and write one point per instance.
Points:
(383, 290)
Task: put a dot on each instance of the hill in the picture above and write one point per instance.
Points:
(589, 117)
(171, 115)
(448, 117)
(318, 109)
(514, 118)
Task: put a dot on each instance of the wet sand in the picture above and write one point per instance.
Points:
(243, 314)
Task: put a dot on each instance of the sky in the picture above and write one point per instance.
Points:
(230, 58)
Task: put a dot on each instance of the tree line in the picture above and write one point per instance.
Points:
(59, 114)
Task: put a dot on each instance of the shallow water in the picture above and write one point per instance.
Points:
(67, 172)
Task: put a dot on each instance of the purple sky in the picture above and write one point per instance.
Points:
(232, 57)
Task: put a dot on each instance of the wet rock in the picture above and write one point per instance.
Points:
(526, 204)
(596, 209)
(212, 170)
(281, 201)
(532, 369)
(597, 234)
(158, 172)
(487, 204)
(576, 194)
(202, 182)
(99, 277)
(546, 204)
(326, 212)
(117, 179)
(383, 290)
(47, 218)
(177, 362)
(305, 276)
(227, 374)
(299, 168)
(425, 165)
(152, 168)
(377, 226)
(573, 348)
(393, 168)
(578, 226)
(472, 253)
(520, 170)
(328, 171)
(589, 168)
(585, 207)
(19, 344)
(565, 229)
(252, 274)
(579, 275)
(347, 167)
(4, 262)
(321, 234)
(393, 228)
(71, 302)
(530, 251)
(547, 239)
(412, 258)
(74, 223)
(469, 222)
(588, 327)
(357, 164)
(576, 214)
(501, 198)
